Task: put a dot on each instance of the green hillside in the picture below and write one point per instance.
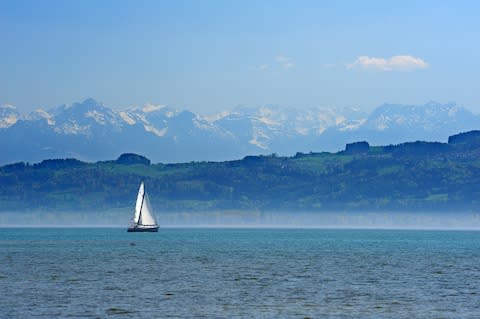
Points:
(418, 176)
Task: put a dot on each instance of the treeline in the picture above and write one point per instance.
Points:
(417, 176)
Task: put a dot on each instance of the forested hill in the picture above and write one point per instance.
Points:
(417, 176)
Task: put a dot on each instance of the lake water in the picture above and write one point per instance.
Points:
(238, 273)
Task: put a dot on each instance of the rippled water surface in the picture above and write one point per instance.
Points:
(239, 273)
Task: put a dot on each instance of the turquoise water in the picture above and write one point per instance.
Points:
(238, 273)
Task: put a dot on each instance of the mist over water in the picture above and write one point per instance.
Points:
(275, 219)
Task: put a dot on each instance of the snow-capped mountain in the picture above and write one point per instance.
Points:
(286, 130)
(8, 115)
(91, 131)
(392, 123)
(431, 117)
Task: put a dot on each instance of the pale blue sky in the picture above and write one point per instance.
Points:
(213, 55)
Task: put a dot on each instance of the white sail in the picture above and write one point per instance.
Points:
(143, 219)
(138, 205)
(146, 216)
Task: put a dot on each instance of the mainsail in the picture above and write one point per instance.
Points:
(143, 218)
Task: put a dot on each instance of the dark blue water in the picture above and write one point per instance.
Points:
(238, 273)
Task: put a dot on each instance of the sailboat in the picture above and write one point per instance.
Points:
(143, 219)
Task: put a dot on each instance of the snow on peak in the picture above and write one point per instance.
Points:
(340, 119)
(7, 106)
(8, 115)
(73, 128)
(127, 118)
(8, 121)
(170, 114)
(202, 124)
(268, 121)
(45, 115)
(259, 139)
(217, 116)
(302, 130)
(453, 111)
(352, 125)
(152, 108)
(154, 130)
(97, 116)
(272, 116)
(89, 103)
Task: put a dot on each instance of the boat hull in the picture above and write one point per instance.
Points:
(143, 229)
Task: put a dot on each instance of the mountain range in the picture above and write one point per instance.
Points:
(91, 131)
